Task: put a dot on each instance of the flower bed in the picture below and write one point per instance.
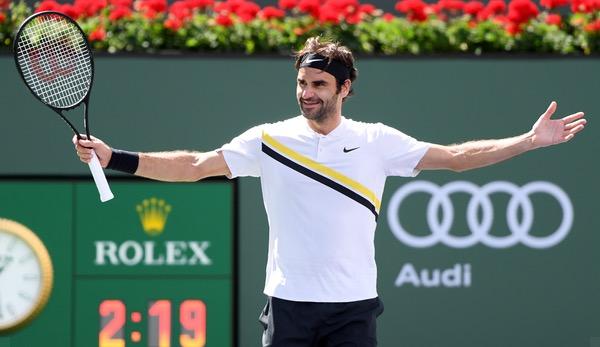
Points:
(556, 26)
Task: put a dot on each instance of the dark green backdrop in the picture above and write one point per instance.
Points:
(518, 296)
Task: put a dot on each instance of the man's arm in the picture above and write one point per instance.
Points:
(174, 166)
(475, 154)
(182, 166)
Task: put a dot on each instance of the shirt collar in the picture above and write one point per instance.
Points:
(337, 132)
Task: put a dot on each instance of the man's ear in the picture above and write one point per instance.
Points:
(346, 88)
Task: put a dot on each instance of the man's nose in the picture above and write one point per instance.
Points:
(307, 93)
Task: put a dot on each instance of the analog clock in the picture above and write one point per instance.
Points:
(25, 275)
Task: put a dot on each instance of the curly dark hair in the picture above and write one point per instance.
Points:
(331, 50)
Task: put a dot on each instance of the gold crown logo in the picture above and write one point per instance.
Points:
(153, 214)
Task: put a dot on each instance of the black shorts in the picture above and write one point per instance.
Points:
(314, 324)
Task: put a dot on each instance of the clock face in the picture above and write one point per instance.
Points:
(25, 275)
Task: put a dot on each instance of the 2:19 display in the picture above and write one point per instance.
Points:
(192, 322)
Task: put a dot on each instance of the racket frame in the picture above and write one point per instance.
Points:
(86, 99)
(94, 164)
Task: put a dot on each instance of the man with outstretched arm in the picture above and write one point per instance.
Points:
(322, 177)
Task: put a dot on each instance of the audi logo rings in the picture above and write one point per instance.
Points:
(480, 229)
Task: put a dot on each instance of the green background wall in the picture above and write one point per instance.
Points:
(519, 296)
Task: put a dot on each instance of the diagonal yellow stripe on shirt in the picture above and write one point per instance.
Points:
(322, 169)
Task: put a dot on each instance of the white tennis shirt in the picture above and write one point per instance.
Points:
(322, 195)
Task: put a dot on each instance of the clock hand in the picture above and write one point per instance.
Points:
(7, 261)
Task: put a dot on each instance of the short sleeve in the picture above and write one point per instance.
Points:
(242, 153)
(400, 152)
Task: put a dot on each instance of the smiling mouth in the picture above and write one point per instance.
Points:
(311, 103)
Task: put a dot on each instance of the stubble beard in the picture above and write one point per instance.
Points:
(322, 113)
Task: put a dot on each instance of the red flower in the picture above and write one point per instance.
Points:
(90, 8)
(310, 6)
(199, 4)
(415, 9)
(513, 28)
(70, 10)
(157, 5)
(173, 23)
(247, 11)
(271, 12)
(350, 10)
(120, 3)
(2, 17)
(501, 20)
(367, 8)
(180, 10)
(473, 8)
(593, 26)
(99, 34)
(222, 7)
(493, 8)
(151, 8)
(233, 5)
(224, 20)
(328, 14)
(585, 6)
(437, 9)
(354, 18)
(450, 5)
(496, 6)
(521, 11)
(287, 4)
(343, 7)
(553, 19)
(118, 13)
(388, 17)
(150, 14)
(245, 17)
(4, 4)
(48, 5)
(550, 4)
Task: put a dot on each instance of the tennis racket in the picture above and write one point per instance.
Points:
(55, 61)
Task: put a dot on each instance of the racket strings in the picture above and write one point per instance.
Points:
(63, 89)
(55, 61)
(56, 83)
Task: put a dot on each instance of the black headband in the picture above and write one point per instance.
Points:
(335, 67)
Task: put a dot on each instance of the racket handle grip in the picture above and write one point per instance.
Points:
(100, 179)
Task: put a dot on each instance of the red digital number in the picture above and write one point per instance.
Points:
(112, 313)
(161, 310)
(192, 316)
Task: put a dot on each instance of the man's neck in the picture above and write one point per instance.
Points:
(325, 126)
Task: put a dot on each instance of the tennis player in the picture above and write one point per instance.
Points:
(322, 178)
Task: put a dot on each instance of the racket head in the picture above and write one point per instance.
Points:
(54, 59)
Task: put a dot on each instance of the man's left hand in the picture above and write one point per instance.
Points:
(547, 132)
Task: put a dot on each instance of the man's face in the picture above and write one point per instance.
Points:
(316, 92)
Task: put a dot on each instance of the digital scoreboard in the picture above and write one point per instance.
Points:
(155, 267)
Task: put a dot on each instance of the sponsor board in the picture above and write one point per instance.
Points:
(440, 214)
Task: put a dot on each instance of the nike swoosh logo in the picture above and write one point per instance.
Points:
(350, 149)
(308, 61)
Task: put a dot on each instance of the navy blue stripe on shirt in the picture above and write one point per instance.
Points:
(319, 178)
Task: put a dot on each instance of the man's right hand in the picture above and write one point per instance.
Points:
(84, 150)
